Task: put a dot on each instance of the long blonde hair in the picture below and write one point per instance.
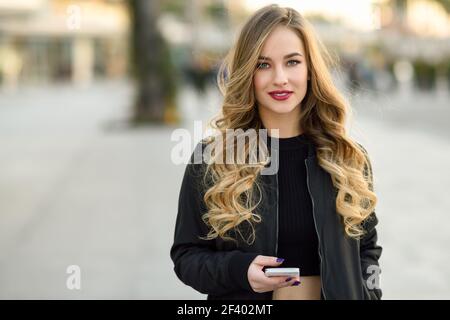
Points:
(230, 196)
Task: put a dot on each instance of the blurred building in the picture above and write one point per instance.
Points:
(420, 17)
(48, 41)
(415, 28)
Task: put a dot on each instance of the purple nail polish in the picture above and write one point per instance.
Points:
(280, 259)
(296, 283)
(288, 279)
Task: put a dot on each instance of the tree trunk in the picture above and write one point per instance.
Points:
(151, 63)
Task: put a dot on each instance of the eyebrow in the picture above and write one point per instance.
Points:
(285, 57)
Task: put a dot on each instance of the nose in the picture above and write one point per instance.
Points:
(280, 77)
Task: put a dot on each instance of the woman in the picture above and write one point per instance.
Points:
(315, 213)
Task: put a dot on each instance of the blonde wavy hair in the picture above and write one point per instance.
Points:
(231, 188)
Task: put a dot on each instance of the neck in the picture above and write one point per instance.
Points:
(288, 124)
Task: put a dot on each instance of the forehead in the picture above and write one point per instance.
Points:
(282, 40)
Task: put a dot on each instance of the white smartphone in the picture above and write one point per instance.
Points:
(282, 272)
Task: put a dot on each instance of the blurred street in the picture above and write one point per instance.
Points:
(79, 187)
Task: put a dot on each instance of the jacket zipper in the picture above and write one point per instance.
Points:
(315, 225)
(276, 242)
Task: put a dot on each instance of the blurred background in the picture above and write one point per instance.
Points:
(91, 92)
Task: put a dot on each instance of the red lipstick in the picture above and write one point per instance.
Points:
(280, 94)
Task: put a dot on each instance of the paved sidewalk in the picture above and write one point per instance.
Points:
(79, 188)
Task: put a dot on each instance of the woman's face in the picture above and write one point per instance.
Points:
(281, 67)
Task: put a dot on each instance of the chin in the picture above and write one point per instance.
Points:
(283, 108)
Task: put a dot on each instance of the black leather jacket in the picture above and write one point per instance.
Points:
(218, 268)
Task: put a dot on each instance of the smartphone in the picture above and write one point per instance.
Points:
(282, 272)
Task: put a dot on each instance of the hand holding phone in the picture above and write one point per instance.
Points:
(282, 272)
(262, 279)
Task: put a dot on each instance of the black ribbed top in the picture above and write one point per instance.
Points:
(297, 238)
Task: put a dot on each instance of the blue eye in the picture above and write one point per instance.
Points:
(296, 62)
(259, 66)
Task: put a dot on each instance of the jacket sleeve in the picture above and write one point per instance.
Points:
(370, 251)
(197, 263)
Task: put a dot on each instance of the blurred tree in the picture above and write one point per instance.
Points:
(424, 74)
(175, 7)
(445, 4)
(151, 66)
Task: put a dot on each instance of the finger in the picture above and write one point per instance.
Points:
(277, 281)
(290, 283)
(269, 261)
(286, 282)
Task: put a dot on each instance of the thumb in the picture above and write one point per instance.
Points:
(268, 261)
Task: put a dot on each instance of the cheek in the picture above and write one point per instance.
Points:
(262, 80)
(301, 77)
(259, 83)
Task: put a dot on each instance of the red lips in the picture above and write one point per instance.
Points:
(280, 91)
(286, 95)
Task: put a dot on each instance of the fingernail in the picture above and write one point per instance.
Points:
(296, 283)
(288, 279)
(280, 259)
